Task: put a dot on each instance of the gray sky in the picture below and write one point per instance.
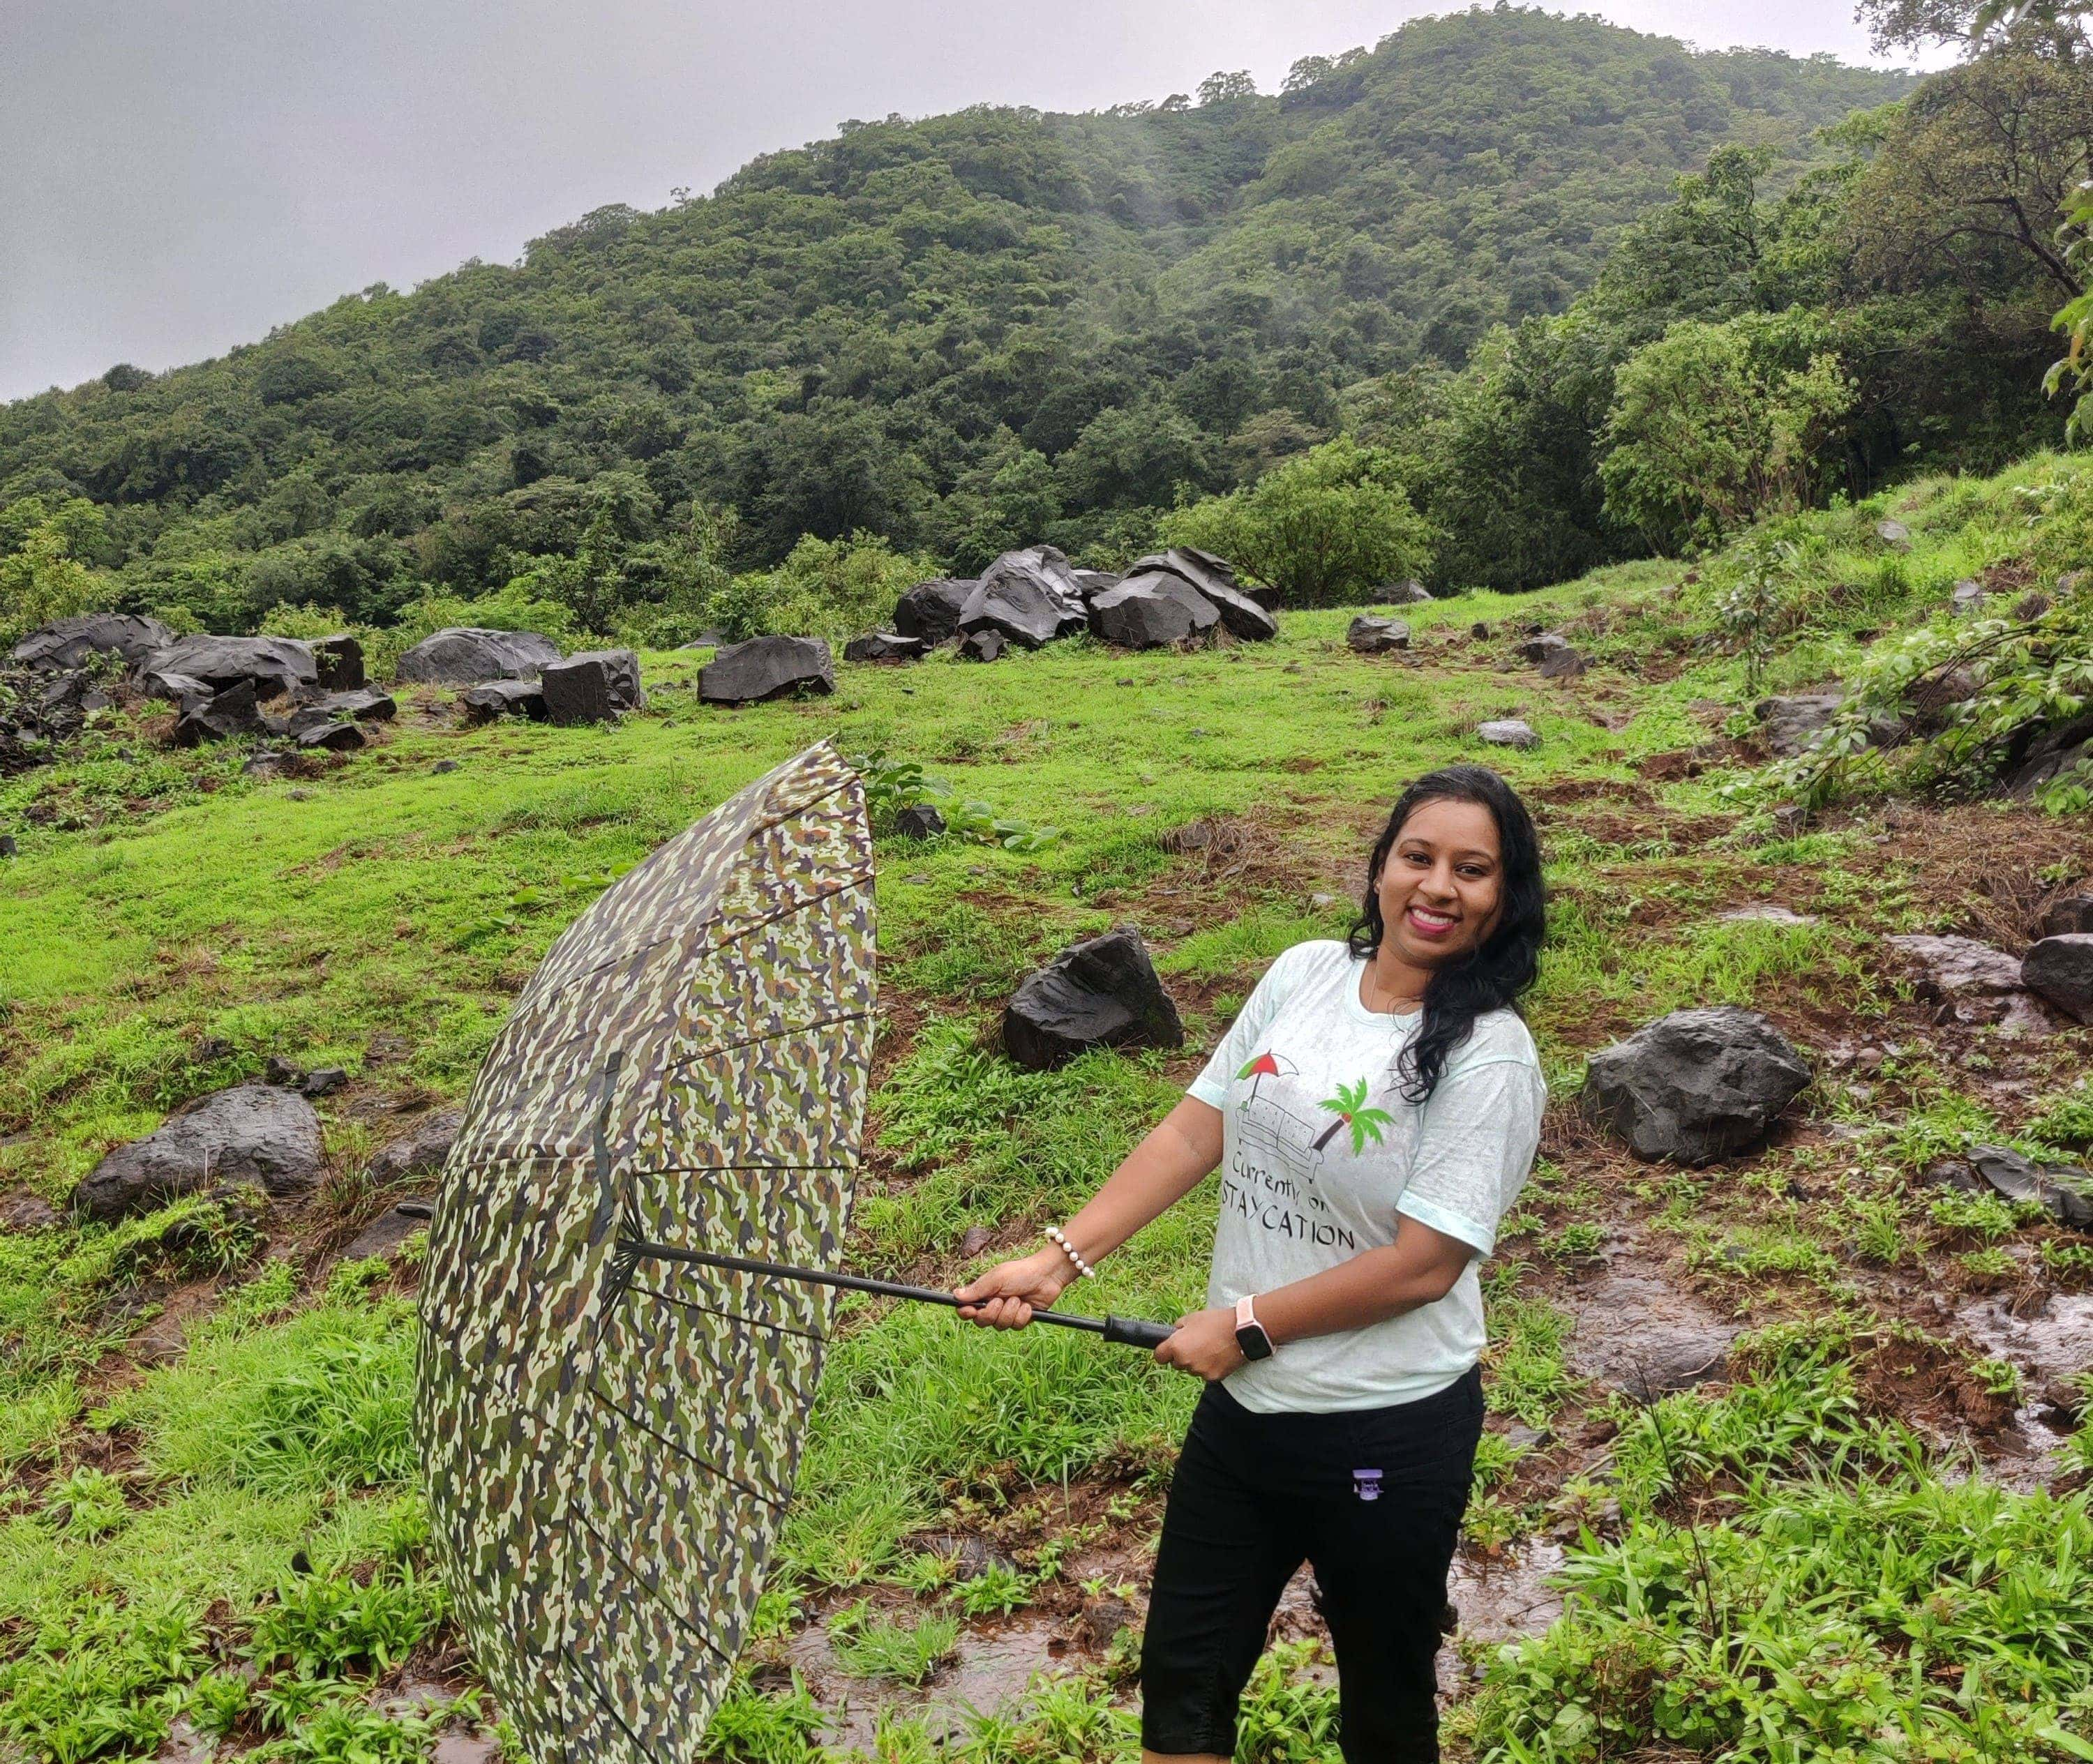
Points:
(178, 176)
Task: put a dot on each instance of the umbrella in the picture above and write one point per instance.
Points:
(623, 1305)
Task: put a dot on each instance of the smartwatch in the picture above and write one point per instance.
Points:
(1249, 1334)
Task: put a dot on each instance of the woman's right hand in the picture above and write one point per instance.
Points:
(1006, 1296)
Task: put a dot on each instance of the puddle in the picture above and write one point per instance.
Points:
(1642, 1335)
(988, 1674)
(465, 1749)
(2048, 1348)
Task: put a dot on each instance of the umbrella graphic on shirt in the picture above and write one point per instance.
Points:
(1349, 1106)
(1267, 1065)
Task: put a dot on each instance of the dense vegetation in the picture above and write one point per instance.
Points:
(970, 332)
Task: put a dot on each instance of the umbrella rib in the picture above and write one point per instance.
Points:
(653, 1589)
(604, 1702)
(725, 1475)
(799, 906)
(776, 1034)
(731, 1316)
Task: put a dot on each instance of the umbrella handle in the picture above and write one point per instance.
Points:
(1137, 1332)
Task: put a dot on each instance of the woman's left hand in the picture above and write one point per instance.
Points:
(1205, 1343)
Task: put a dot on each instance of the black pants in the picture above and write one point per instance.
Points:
(1372, 1499)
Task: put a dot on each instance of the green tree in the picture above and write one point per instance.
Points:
(1714, 426)
(44, 574)
(1322, 528)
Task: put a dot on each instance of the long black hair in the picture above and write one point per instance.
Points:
(1490, 977)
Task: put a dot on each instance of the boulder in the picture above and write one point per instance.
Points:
(885, 646)
(2060, 969)
(1241, 616)
(1564, 664)
(219, 717)
(361, 706)
(272, 665)
(1696, 1085)
(337, 662)
(1791, 723)
(343, 737)
(593, 686)
(984, 645)
(186, 690)
(423, 1148)
(1969, 982)
(1031, 596)
(1894, 534)
(1150, 610)
(505, 697)
(767, 667)
(74, 643)
(1094, 582)
(2063, 1190)
(1540, 646)
(1510, 732)
(465, 655)
(921, 822)
(2074, 912)
(386, 1233)
(253, 1133)
(931, 610)
(1103, 992)
(1967, 595)
(1370, 636)
(1402, 594)
(2058, 749)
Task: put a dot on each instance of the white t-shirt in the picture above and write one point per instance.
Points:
(1321, 1153)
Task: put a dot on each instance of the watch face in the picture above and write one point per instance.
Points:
(1254, 1343)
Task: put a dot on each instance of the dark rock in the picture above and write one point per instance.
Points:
(885, 646)
(384, 1235)
(337, 662)
(2060, 969)
(1031, 596)
(921, 822)
(423, 1148)
(253, 1133)
(64, 694)
(2059, 918)
(8, 847)
(1952, 1172)
(767, 667)
(1543, 644)
(1099, 1623)
(2063, 1190)
(593, 686)
(1791, 723)
(23, 1211)
(186, 690)
(978, 1238)
(1152, 609)
(1510, 732)
(334, 738)
(501, 698)
(2057, 751)
(1094, 582)
(1103, 992)
(1370, 636)
(1564, 664)
(1696, 1085)
(162, 1343)
(1479, 631)
(1402, 594)
(465, 655)
(984, 645)
(1243, 616)
(931, 610)
(219, 717)
(444, 766)
(1969, 982)
(73, 642)
(363, 704)
(272, 666)
(269, 766)
(324, 1082)
(276, 1070)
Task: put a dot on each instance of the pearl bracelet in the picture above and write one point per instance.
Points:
(1068, 1250)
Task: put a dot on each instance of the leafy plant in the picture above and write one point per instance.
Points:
(878, 1647)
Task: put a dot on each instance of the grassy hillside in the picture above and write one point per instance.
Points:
(932, 329)
(1869, 1539)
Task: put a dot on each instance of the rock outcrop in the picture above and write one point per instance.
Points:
(1103, 992)
(767, 667)
(465, 654)
(254, 1134)
(1696, 1085)
(597, 685)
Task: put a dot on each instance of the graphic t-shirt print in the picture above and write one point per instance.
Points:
(1284, 1135)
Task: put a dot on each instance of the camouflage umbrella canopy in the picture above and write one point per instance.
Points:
(610, 1433)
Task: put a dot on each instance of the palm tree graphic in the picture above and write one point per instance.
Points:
(1349, 1106)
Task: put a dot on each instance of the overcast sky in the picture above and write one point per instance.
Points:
(178, 176)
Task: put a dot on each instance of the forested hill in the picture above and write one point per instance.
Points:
(948, 330)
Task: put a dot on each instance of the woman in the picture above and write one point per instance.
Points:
(1374, 1111)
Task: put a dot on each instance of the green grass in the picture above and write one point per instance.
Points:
(382, 917)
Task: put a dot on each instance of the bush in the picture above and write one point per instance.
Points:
(1323, 528)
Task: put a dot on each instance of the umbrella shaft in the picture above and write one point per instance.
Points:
(885, 1289)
